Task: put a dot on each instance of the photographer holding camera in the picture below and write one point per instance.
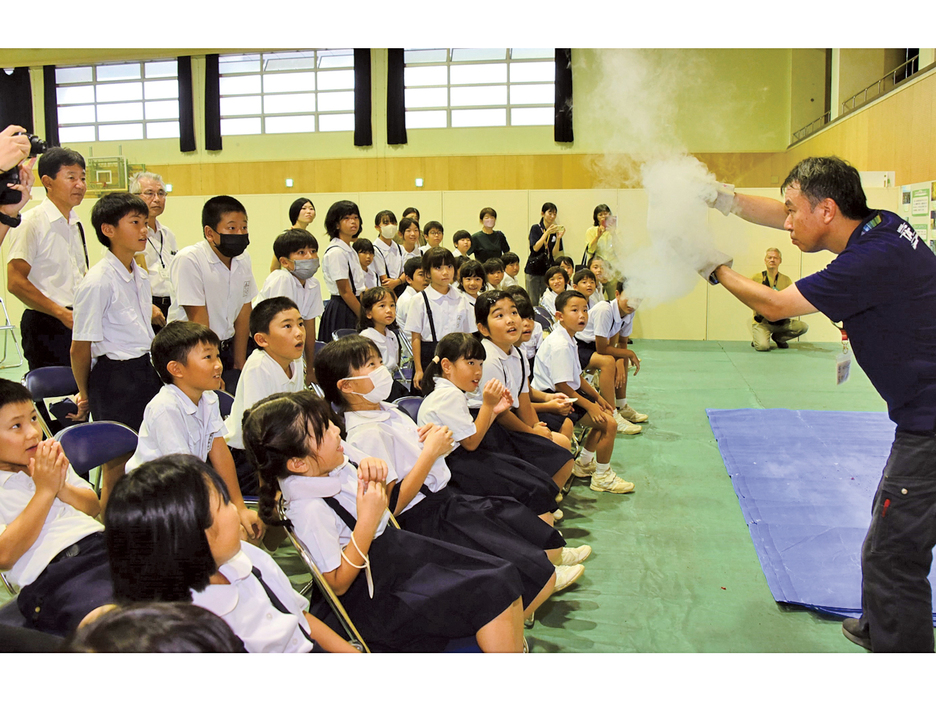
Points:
(14, 150)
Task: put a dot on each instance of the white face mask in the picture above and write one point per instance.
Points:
(383, 383)
(388, 231)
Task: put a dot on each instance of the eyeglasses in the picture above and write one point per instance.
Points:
(150, 194)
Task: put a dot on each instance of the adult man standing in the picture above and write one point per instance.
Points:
(48, 258)
(161, 244)
(881, 286)
(781, 331)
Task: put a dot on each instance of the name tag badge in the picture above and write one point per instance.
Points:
(842, 367)
(164, 273)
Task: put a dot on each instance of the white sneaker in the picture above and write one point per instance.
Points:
(610, 482)
(581, 470)
(624, 426)
(631, 415)
(557, 515)
(566, 575)
(574, 556)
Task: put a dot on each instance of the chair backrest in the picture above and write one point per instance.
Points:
(410, 405)
(51, 381)
(225, 403)
(338, 333)
(93, 444)
(541, 314)
(319, 345)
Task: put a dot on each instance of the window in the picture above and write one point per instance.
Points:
(479, 87)
(118, 101)
(287, 92)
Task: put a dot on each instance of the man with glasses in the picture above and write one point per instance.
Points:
(160, 246)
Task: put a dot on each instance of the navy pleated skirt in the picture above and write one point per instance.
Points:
(544, 456)
(337, 315)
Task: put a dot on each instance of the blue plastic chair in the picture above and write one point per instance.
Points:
(48, 382)
(541, 315)
(339, 333)
(410, 405)
(93, 444)
(225, 403)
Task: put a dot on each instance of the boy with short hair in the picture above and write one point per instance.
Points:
(557, 369)
(494, 270)
(365, 251)
(434, 233)
(568, 265)
(511, 263)
(277, 327)
(184, 416)
(51, 545)
(297, 253)
(388, 253)
(462, 242)
(113, 331)
(214, 281)
(416, 281)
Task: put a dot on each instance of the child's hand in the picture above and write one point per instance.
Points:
(505, 402)
(371, 501)
(422, 431)
(372, 470)
(417, 379)
(632, 357)
(438, 441)
(558, 407)
(251, 523)
(84, 409)
(492, 393)
(541, 429)
(48, 467)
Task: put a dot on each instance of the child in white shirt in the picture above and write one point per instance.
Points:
(378, 323)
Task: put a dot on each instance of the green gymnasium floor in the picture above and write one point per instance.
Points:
(673, 568)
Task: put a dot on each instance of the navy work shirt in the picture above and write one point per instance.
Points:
(883, 288)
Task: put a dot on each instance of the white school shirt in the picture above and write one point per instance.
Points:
(282, 283)
(260, 378)
(557, 361)
(388, 345)
(548, 300)
(605, 320)
(245, 606)
(172, 423)
(201, 279)
(450, 313)
(402, 305)
(160, 249)
(113, 309)
(51, 245)
(319, 529)
(447, 405)
(407, 255)
(64, 525)
(511, 370)
(391, 435)
(597, 296)
(341, 262)
(472, 301)
(370, 276)
(507, 281)
(388, 259)
(529, 348)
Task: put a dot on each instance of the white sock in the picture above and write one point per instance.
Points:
(621, 402)
(602, 468)
(586, 456)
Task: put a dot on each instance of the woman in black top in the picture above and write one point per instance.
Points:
(489, 242)
(545, 247)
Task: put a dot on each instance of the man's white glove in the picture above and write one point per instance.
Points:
(714, 259)
(724, 198)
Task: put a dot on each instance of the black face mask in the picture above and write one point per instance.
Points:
(232, 244)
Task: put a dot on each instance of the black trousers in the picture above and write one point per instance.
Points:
(120, 390)
(46, 341)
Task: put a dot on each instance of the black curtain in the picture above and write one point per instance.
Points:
(563, 128)
(16, 99)
(186, 105)
(363, 132)
(212, 103)
(396, 105)
(51, 106)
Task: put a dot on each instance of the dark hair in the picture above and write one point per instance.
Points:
(276, 429)
(337, 212)
(378, 219)
(13, 393)
(584, 273)
(486, 301)
(554, 271)
(433, 225)
(515, 290)
(598, 210)
(112, 208)
(291, 241)
(548, 207)
(155, 528)
(156, 627)
(175, 341)
(619, 286)
(461, 261)
(411, 210)
(363, 245)
(335, 361)
(565, 259)
(56, 158)
(452, 346)
(263, 314)
(821, 177)
(369, 298)
(493, 265)
(522, 300)
(406, 223)
(412, 265)
(217, 207)
(436, 257)
(508, 258)
(459, 235)
(472, 269)
(562, 299)
(487, 210)
(296, 208)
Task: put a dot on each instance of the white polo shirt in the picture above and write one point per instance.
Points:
(391, 435)
(450, 313)
(605, 320)
(307, 296)
(51, 245)
(260, 378)
(160, 249)
(529, 348)
(597, 296)
(388, 345)
(172, 423)
(321, 530)
(557, 361)
(402, 305)
(388, 258)
(447, 405)
(113, 309)
(64, 525)
(370, 276)
(201, 279)
(510, 369)
(507, 281)
(341, 262)
(245, 606)
(407, 255)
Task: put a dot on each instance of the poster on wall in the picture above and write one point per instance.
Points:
(920, 199)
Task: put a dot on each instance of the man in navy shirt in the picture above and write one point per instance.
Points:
(882, 287)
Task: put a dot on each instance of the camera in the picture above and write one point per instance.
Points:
(11, 177)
